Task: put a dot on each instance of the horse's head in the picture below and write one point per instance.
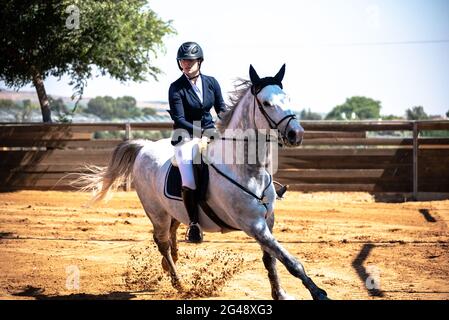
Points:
(271, 107)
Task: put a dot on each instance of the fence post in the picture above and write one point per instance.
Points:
(415, 160)
(128, 136)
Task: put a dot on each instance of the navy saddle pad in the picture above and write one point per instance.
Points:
(173, 183)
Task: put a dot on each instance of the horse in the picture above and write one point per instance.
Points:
(233, 190)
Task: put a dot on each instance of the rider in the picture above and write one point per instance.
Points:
(191, 98)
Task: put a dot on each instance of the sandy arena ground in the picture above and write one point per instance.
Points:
(341, 238)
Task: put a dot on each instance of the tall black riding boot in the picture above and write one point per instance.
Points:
(194, 233)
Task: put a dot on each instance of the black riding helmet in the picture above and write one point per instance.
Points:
(189, 51)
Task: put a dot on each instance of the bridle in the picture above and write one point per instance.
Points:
(273, 124)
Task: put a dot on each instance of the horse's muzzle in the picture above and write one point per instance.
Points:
(295, 136)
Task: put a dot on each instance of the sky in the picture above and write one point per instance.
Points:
(393, 51)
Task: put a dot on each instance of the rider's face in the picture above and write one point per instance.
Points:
(190, 66)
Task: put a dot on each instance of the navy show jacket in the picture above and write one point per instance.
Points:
(186, 106)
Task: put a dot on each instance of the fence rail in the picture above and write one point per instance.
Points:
(336, 155)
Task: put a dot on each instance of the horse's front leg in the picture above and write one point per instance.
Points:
(173, 244)
(261, 232)
(270, 264)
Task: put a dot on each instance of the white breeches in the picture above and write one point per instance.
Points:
(184, 158)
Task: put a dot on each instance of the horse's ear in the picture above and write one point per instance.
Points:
(280, 75)
(253, 75)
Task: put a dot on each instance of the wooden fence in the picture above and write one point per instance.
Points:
(335, 156)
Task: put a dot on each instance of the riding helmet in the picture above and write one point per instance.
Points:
(190, 51)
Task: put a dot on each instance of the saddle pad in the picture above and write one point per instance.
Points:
(172, 188)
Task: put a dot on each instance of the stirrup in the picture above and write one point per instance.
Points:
(280, 193)
(194, 234)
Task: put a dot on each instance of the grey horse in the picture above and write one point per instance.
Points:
(241, 195)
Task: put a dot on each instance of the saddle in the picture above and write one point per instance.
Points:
(173, 186)
(173, 181)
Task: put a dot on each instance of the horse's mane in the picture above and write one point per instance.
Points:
(241, 86)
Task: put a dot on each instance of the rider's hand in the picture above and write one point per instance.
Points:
(211, 133)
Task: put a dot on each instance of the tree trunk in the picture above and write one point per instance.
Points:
(42, 95)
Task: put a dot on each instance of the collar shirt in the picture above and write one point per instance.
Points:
(197, 87)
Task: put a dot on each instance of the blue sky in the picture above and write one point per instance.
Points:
(333, 49)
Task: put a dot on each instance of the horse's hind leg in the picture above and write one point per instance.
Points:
(162, 226)
(270, 264)
(173, 244)
(260, 231)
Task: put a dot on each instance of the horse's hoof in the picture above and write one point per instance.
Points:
(286, 297)
(282, 295)
(178, 286)
(320, 295)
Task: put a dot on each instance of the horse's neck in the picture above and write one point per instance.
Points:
(243, 121)
(243, 116)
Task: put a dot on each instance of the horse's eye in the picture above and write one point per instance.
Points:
(266, 104)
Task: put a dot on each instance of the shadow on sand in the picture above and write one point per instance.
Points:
(38, 294)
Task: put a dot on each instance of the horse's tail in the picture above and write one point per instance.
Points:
(102, 180)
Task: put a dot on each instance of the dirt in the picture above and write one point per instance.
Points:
(353, 245)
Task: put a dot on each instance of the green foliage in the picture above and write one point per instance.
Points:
(151, 135)
(126, 107)
(108, 108)
(435, 134)
(60, 108)
(109, 135)
(7, 104)
(58, 105)
(416, 113)
(148, 111)
(447, 113)
(25, 111)
(309, 115)
(356, 108)
(22, 110)
(391, 117)
(41, 38)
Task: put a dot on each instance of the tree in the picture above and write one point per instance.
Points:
(61, 109)
(101, 107)
(57, 105)
(126, 107)
(147, 111)
(56, 37)
(447, 113)
(109, 108)
(416, 113)
(26, 111)
(391, 117)
(309, 115)
(356, 107)
(7, 104)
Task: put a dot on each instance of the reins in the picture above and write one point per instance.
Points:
(273, 125)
